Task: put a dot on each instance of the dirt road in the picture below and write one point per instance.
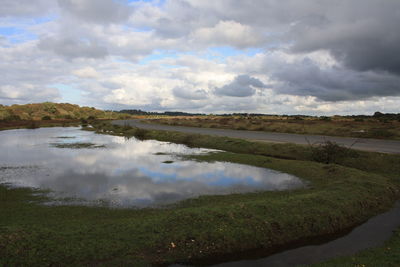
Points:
(377, 145)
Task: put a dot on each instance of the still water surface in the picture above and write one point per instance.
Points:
(121, 172)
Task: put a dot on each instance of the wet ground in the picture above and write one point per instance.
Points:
(81, 167)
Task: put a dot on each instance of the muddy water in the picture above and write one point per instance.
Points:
(80, 167)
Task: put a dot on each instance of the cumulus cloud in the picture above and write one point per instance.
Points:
(99, 11)
(86, 72)
(361, 34)
(315, 56)
(73, 48)
(22, 8)
(187, 93)
(333, 84)
(228, 33)
(241, 86)
(26, 93)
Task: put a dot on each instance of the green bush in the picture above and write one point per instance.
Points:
(331, 152)
(12, 117)
(46, 118)
(141, 133)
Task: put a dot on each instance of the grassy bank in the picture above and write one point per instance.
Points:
(369, 127)
(338, 197)
(54, 111)
(31, 124)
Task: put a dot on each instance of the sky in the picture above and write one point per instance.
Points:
(312, 57)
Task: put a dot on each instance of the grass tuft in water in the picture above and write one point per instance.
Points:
(77, 145)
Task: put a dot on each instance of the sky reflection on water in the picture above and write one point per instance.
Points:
(124, 172)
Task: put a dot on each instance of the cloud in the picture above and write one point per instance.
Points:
(228, 33)
(86, 72)
(307, 77)
(22, 8)
(73, 48)
(99, 11)
(361, 34)
(241, 86)
(186, 93)
(27, 93)
(301, 56)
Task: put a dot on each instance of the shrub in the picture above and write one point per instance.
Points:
(12, 117)
(68, 117)
(189, 140)
(46, 118)
(141, 133)
(324, 118)
(32, 125)
(381, 133)
(331, 152)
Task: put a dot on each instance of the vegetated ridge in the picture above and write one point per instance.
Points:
(54, 111)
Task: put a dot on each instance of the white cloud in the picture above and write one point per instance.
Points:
(228, 33)
(87, 72)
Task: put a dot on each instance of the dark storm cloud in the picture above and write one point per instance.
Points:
(73, 48)
(363, 35)
(333, 84)
(99, 11)
(241, 86)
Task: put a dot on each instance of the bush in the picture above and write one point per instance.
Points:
(331, 152)
(381, 133)
(46, 118)
(12, 117)
(141, 133)
(32, 125)
(68, 117)
(324, 118)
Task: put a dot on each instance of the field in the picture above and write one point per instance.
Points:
(351, 188)
(382, 127)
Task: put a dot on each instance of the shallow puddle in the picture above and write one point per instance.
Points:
(116, 171)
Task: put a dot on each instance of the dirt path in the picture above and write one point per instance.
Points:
(376, 145)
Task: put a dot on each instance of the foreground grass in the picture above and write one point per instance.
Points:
(334, 126)
(338, 197)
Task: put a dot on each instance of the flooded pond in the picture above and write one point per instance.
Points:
(81, 167)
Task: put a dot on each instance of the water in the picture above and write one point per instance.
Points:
(119, 172)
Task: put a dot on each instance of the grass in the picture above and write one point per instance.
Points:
(334, 126)
(338, 197)
(77, 145)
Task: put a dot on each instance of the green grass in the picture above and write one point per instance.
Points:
(77, 145)
(337, 197)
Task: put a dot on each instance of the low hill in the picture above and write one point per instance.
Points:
(54, 111)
